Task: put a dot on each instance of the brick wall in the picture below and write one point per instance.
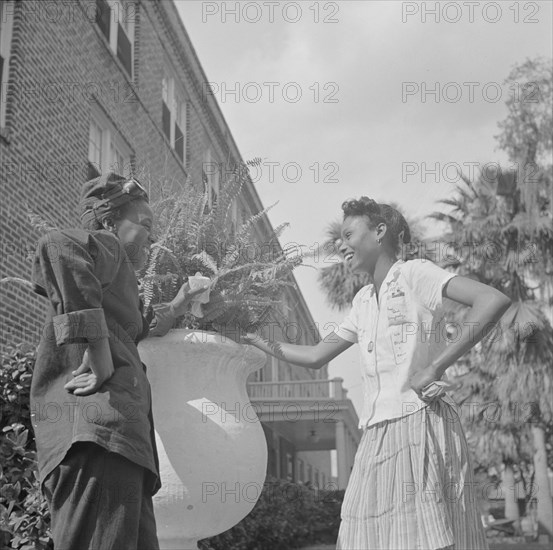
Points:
(61, 67)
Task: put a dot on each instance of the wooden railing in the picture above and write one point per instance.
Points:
(298, 389)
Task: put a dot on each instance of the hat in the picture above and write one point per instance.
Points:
(106, 193)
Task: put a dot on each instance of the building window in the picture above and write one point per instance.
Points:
(116, 20)
(107, 151)
(259, 375)
(173, 116)
(211, 177)
(180, 128)
(6, 23)
(94, 149)
(166, 111)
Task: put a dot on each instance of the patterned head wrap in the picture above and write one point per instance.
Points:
(107, 193)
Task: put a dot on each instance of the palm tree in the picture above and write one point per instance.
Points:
(527, 136)
(513, 216)
(518, 358)
(493, 431)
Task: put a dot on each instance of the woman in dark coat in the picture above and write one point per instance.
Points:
(90, 397)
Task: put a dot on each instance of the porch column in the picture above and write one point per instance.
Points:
(276, 440)
(341, 453)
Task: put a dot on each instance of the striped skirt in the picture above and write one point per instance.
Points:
(412, 487)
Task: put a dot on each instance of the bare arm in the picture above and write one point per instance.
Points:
(487, 305)
(311, 357)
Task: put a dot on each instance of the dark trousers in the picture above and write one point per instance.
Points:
(98, 501)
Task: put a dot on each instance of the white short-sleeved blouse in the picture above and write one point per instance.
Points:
(399, 332)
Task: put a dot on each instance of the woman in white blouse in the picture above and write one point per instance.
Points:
(411, 485)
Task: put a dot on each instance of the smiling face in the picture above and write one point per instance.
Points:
(134, 229)
(359, 243)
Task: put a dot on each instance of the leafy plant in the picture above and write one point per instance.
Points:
(24, 516)
(248, 277)
(287, 515)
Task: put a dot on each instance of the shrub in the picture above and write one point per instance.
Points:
(287, 515)
(24, 516)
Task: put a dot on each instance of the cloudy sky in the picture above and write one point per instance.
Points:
(350, 98)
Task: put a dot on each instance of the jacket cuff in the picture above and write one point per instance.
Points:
(78, 327)
(163, 320)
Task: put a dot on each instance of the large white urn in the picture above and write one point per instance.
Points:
(211, 446)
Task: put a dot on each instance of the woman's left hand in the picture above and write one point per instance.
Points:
(422, 378)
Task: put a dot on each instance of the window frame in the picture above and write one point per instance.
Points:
(175, 104)
(119, 19)
(111, 144)
(6, 26)
(212, 179)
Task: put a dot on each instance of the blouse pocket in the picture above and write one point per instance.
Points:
(400, 323)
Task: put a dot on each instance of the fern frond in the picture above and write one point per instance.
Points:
(38, 223)
(207, 260)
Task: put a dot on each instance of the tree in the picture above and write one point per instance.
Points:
(527, 132)
(527, 137)
(512, 215)
(493, 239)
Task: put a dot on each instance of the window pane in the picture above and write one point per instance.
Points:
(179, 142)
(166, 120)
(127, 13)
(92, 171)
(181, 115)
(124, 50)
(95, 144)
(117, 161)
(103, 16)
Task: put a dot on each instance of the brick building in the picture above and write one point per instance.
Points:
(96, 85)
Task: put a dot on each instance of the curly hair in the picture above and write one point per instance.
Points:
(398, 231)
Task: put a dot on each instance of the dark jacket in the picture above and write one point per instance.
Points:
(93, 293)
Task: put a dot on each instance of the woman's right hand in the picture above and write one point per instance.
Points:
(95, 369)
(184, 296)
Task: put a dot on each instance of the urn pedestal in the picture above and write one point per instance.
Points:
(211, 446)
